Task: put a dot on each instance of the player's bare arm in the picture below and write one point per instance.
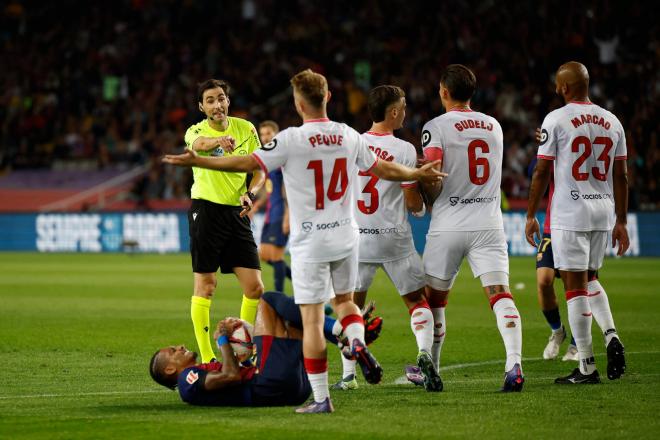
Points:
(396, 172)
(431, 190)
(203, 143)
(250, 197)
(189, 158)
(620, 231)
(230, 373)
(540, 181)
(413, 199)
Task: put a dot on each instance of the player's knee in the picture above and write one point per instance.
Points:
(205, 287)
(413, 298)
(255, 289)
(342, 299)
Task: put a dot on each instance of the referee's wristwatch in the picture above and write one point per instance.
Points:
(251, 196)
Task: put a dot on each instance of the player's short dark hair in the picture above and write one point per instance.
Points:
(157, 374)
(271, 124)
(211, 84)
(380, 98)
(460, 81)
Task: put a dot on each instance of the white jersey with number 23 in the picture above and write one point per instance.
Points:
(583, 140)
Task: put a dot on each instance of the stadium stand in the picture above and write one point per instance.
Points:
(111, 85)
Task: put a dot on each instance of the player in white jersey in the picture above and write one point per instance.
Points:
(466, 219)
(585, 145)
(320, 162)
(385, 235)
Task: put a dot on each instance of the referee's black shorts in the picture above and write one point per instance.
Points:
(219, 237)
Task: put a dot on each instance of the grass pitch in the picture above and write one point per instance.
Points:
(77, 332)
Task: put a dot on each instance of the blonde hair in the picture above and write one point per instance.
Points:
(311, 85)
(272, 124)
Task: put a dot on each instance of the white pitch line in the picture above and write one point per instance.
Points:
(100, 393)
(403, 380)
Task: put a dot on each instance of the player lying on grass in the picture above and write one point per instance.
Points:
(278, 377)
(319, 160)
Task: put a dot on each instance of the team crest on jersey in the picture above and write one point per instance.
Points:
(192, 377)
(426, 138)
(270, 145)
(544, 136)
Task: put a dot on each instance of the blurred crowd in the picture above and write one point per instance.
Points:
(114, 83)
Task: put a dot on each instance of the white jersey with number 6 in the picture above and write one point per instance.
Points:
(320, 161)
(472, 146)
(381, 214)
(584, 140)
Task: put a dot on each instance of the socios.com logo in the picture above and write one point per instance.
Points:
(575, 195)
(307, 226)
(453, 200)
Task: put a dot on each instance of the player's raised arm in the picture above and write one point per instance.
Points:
(540, 181)
(231, 163)
(396, 172)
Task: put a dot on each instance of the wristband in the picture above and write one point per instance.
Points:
(222, 340)
(250, 195)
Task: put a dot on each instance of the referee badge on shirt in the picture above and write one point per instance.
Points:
(218, 152)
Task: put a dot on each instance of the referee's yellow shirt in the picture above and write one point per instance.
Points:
(222, 187)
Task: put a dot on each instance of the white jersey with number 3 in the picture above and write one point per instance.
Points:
(381, 214)
(472, 146)
(584, 140)
(320, 161)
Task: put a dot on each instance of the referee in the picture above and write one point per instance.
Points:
(220, 234)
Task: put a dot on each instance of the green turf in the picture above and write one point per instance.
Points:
(77, 331)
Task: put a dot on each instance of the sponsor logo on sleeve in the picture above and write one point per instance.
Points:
(544, 136)
(192, 377)
(270, 145)
(426, 138)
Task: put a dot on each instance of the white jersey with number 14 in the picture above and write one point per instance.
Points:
(320, 161)
(472, 147)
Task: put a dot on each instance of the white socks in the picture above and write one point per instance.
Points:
(439, 331)
(421, 324)
(510, 327)
(600, 307)
(579, 317)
